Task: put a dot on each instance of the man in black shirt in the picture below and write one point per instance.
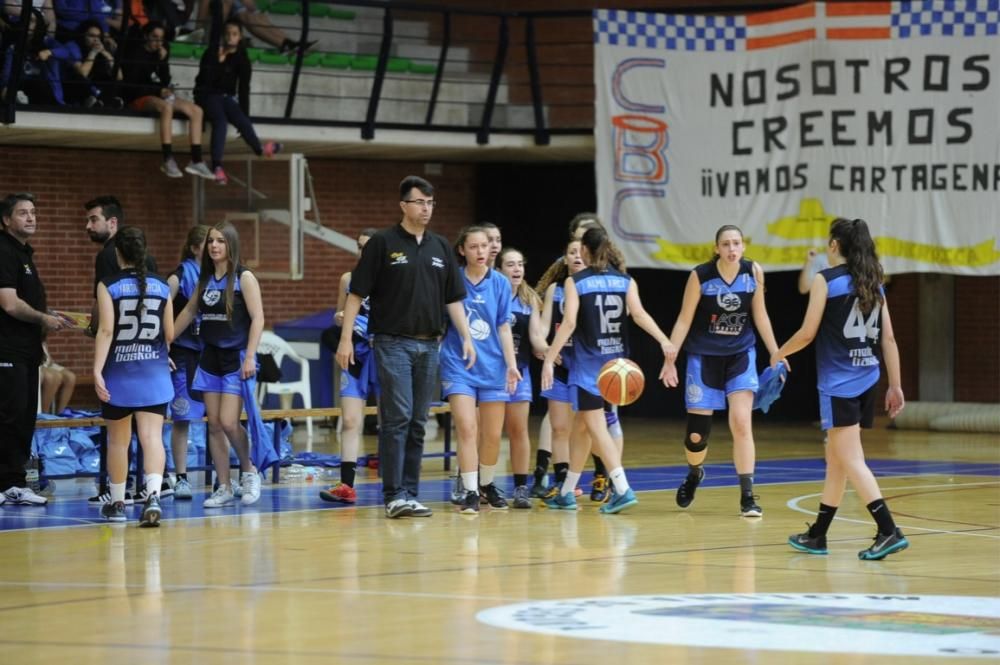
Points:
(411, 278)
(23, 317)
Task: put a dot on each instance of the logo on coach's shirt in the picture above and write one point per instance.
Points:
(398, 259)
(437, 262)
(211, 297)
(27, 269)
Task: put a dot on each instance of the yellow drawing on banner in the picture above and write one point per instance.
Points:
(812, 222)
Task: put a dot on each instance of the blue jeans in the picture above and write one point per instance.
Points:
(221, 110)
(407, 372)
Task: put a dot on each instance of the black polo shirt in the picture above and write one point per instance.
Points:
(106, 263)
(20, 340)
(409, 283)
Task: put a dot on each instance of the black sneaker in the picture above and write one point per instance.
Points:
(539, 489)
(749, 507)
(151, 512)
(470, 504)
(114, 511)
(803, 542)
(884, 545)
(600, 489)
(457, 490)
(494, 496)
(105, 498)
(685, 493)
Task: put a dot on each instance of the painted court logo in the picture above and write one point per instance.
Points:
(943, 626)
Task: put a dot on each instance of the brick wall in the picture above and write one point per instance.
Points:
(977, 339)
(350, 194)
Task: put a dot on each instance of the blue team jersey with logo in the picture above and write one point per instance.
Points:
(721, 325)
(487, 307)
(216, 328)
(137, 370)
(600, 333)
(846, 360)
(521, 312)
(187, 281)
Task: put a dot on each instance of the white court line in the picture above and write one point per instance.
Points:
(793, 504)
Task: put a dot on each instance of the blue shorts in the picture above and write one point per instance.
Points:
(523, 391)
(365, 384)
(711, 378)
(846, 411)
(215, 373)
(584, 400)
(559, 392)
(449, 388)
(187, 404)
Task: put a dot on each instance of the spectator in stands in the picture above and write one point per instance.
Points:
(147, 88)
(225, 72)
(23, 318)
(13, 9)
(71, 13)
(41, 79)
(58, 384)
(259, 25)
(92, 80)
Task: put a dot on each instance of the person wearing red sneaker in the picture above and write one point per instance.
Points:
(222, 89)
(357, 383)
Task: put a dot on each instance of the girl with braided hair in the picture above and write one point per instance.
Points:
(132, 370)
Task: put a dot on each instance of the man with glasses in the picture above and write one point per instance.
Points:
(23, 318)
(411, 277)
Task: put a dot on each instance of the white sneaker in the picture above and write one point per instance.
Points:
(23, 496)
(251, 488)
(199, 169)
(169, 166)
(220, 498)
(3, 498)
(235, 487)
(183, 490)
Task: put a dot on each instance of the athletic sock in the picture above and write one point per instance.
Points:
(196, 153)
(619, 480)
(599, 468)
(347, 472)
(167, 150)
(487, 472)
(542, 458)
(117, 491)
(823, 520)
(746, 484)
(572, 478)
(154, 481)
(560, 468)
(520, 479)
(470, 481)
(883, 518)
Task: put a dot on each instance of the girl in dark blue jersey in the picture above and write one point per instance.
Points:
(357, 384)
(598, 299)
(185, 352)
(232, 320)
(526, 331)
(849, 317)
(489, 381)
(132, 370)
(714, 328)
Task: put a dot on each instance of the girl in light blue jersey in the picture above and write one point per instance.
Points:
(527, 333)
(849, 317)
(132, 370)
(489, 381)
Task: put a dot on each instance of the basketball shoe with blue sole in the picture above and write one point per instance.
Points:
(619, 502)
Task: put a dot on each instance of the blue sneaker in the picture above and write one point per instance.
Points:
(884, 545)
(619, 502)
(562, 501)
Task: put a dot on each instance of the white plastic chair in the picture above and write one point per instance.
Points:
(280, 349)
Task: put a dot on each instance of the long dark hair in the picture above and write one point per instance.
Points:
(130, 242)
(555, 273)
(858, 249)
(195, 236)
(603, 252)
(524, 292)
(232, 237)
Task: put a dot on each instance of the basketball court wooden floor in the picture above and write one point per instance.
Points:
(293, 580)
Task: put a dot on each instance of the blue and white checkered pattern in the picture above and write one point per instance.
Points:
(675, 32)
(946, 18)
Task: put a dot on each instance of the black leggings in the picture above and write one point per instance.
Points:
(221, 110)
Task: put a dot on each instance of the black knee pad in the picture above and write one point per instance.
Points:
(700, 424)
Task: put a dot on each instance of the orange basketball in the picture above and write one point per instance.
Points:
(620, 381)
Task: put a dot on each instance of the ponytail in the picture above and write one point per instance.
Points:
(130, 241)
(858, 249)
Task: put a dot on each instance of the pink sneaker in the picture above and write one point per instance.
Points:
(272, 148)
(220, 176)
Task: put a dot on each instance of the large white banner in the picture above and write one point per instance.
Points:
(780, 121)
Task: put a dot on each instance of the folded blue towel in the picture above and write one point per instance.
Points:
(772, 381)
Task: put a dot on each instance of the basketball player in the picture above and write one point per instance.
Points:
(526, 310)
(487, 383)
(357, 384)
(232, 320)
(849, 313)
(598, 299)
(132, 370)
(714, 328)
